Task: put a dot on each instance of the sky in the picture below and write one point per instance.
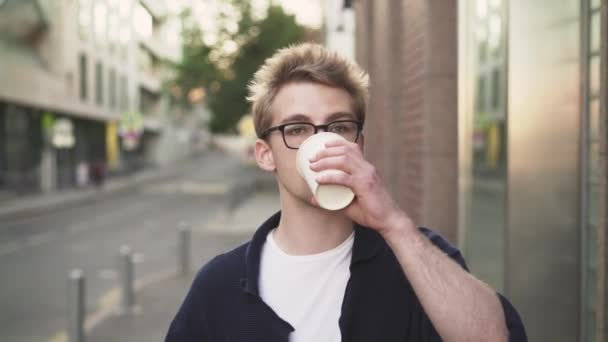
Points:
(307, 12)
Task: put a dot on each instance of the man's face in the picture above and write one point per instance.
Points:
(299, 102)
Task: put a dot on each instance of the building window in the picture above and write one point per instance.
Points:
(112, 88)
(84, 19)
(125, 38)
(113, 32)
(114, 23)
(82, 66)
(125, 24)
(145, 60)
(100, 22)
(486, 213)
(99, 84)
(124, 8)
(594, 167)
(124, 93)
(143, 21)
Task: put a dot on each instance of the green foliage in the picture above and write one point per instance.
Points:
(224, 76)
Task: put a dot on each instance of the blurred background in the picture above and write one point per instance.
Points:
(123, 123)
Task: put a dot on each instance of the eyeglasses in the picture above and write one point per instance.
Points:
(294, 133)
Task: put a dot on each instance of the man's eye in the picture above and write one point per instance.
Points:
(340, 128)
(296, 130)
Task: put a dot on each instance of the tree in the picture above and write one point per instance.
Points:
(222, 69)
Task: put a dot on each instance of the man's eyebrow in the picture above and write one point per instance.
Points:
(330, 118)
(294, 118)
(341, 115)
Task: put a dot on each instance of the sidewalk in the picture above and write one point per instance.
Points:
(15, 206)
(159, 300)
(18, 206)
(23, 205)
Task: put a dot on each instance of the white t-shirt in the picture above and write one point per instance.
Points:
(306, 290)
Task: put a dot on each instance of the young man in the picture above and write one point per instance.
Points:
(364, 273)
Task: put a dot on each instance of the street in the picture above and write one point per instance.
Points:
(37, 251)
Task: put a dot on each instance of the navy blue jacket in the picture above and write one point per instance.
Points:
(379, 304)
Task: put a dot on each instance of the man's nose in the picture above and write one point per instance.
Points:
(321, 128)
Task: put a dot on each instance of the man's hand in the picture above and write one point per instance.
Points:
(373, 206)
(461, 307)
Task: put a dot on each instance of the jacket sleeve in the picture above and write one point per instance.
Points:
(191, 321)
(517, 332)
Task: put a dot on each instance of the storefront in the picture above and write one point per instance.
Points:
(20, 148)
(533, 173)
(43, 150)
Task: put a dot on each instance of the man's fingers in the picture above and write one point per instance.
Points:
(344, 148)
(329, 152)
(337, 142)
(338, 178)
(339, 162)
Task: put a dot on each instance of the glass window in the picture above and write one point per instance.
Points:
(486, 216)
(482, 8)
(84, 18)
(595, 170)
(144, 59)
(495, 33)
(125, 9)
(82, 66)
(481, 93)
(482, 51)
(496, 89)
(495, 4)
(125, 37)
(124, 93)
(113, 31)
(596, 28)
(594, 119)
(594, 75)
(99, 84)
(112, 88)
(101, 19)
(143, 21)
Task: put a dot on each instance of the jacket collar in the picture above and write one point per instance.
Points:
(365, 247)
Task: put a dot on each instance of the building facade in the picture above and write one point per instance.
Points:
(83, 84)
(339, 27)
(488, 119)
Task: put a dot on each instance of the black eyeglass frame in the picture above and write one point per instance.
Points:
(281, 128)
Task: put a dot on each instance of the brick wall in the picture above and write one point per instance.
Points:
(409, 49)
(411, 123)
(602, 277)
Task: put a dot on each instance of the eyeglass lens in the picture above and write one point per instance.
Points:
(295, 134)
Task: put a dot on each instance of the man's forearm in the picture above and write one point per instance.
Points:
(461, 307)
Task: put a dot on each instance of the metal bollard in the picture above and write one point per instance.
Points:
(184, 248)
(76, 306)
(127, 300)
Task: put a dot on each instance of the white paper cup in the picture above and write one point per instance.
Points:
(329, 196)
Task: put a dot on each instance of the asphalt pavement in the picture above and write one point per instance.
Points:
(157, 300)
(38, 248)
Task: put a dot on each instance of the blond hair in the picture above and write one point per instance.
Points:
(305, 63)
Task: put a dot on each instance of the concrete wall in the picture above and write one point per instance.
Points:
(41, 70)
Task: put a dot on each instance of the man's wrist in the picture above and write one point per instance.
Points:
(398, 224)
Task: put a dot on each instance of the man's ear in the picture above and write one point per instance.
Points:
(263, 156)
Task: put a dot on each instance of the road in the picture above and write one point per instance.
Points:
(37, 251)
